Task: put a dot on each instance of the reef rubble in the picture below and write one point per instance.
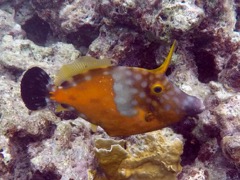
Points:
(206, 64)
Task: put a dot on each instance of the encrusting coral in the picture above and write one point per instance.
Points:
(152, 156)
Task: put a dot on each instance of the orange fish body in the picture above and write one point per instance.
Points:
(122, 100)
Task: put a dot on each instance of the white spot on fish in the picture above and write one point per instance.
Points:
(158, 76)
(117, 76)
(148, 100)
(176, 100)
(129, 82)
(120, 100)
(165, 82)
(73, 83)
(154, 103)
(87, 78)
(144, 84)
(161, 100)
(177, 91)
(128, 112)
(166, 97)
(144, 72)
(128, 72)
(134, 102)
(106, 73)
(171, 93)
(133, 90)
(142, 95)
(118, 86)
(138, 77)
(167, 107)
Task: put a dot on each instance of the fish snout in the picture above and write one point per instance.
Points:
(193, 106)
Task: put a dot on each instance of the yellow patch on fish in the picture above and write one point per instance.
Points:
(122, 100)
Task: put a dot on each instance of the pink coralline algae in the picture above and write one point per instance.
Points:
(206, 64)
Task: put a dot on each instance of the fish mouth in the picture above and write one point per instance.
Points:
(193, 106)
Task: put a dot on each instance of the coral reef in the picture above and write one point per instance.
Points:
(67, 153)
(161, 19)
(40, 145)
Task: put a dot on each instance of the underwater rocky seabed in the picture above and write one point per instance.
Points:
(39, 145)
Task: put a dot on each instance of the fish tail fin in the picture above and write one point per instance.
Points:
(35, 88)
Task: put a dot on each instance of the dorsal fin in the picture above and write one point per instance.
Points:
(81, 65)
(163, 68)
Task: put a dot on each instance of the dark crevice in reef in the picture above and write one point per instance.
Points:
(46, 175)
(83, 37)
(206, 66)
(170, 70)
(67, 115)
(141, 56)
(233, 174)
(191, 145)
(237, 26)
(205, 61)
(46, 4)
(12, 72)
(37, 30)
(191, 150)
(202, 41)
(20, 165)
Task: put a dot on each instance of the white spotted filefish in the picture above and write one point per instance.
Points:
(122, 100)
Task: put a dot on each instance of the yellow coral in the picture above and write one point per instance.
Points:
(151, 156)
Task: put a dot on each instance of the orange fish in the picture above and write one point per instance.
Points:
(122, 100)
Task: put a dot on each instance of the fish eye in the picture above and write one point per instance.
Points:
(156, 89)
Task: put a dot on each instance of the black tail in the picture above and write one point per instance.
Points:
(35, 88)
